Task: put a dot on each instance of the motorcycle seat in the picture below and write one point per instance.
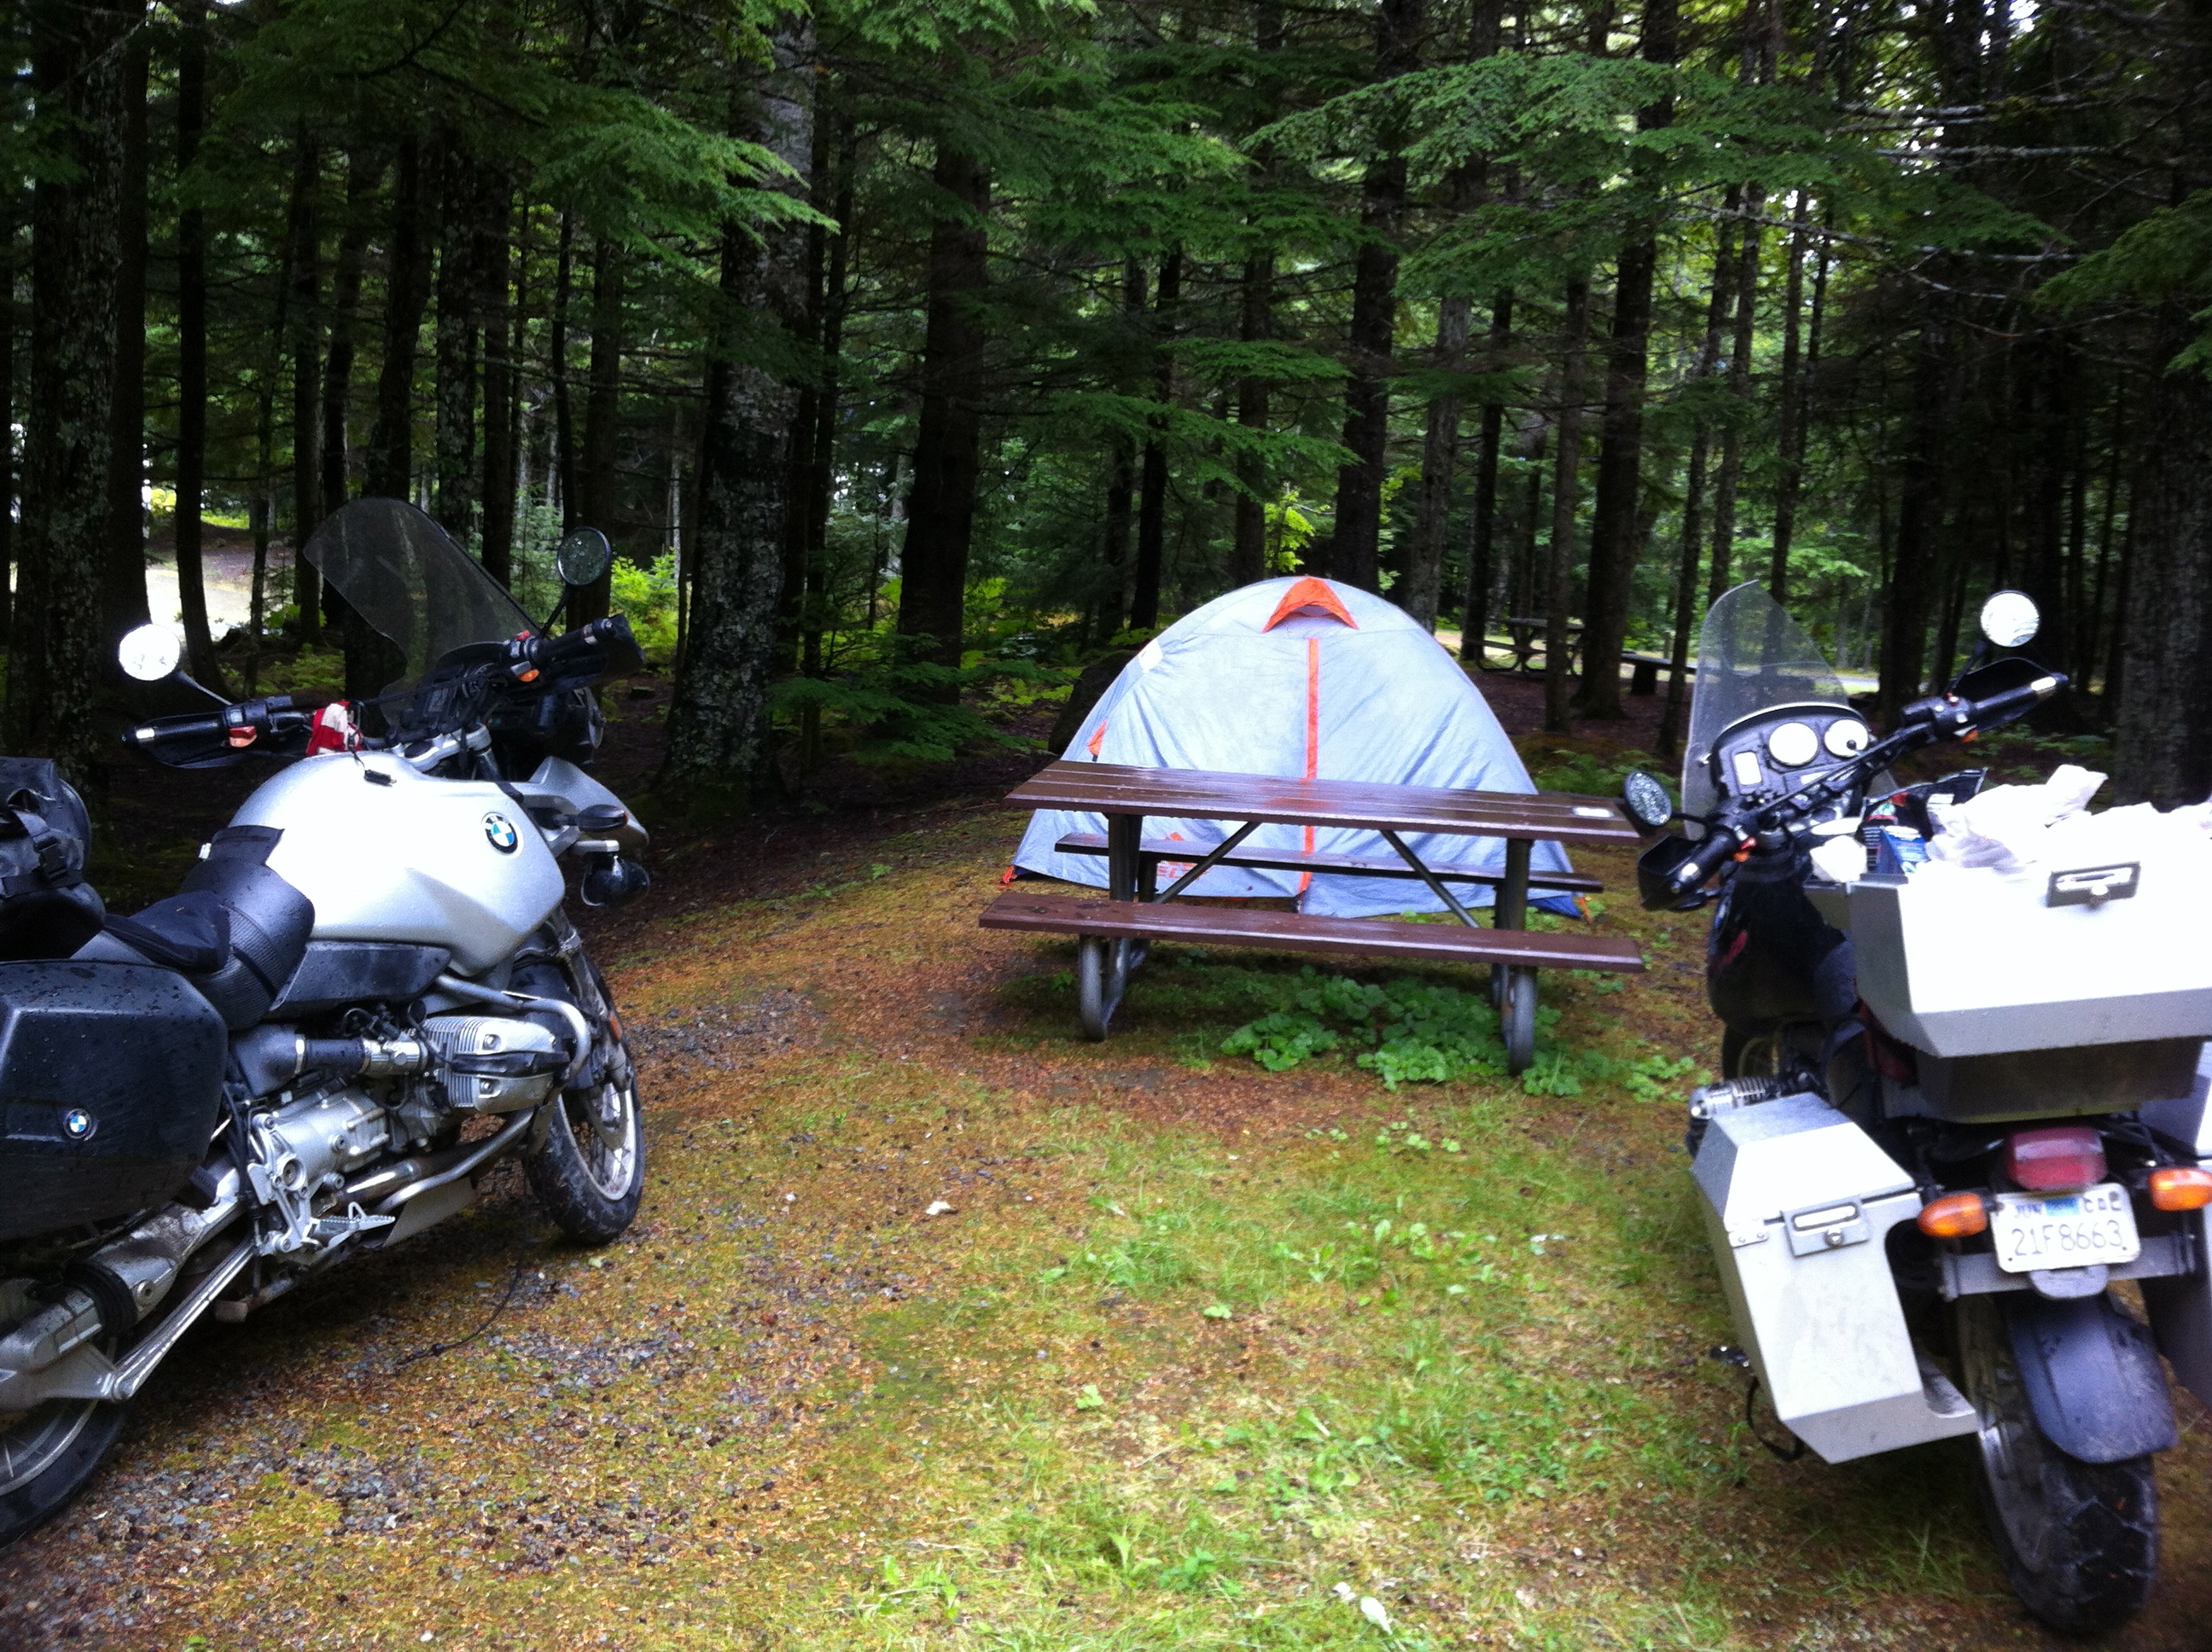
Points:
(236, 930)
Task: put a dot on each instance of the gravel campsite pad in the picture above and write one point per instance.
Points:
(941, 1327)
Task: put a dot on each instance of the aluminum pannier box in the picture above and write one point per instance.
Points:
(1981, 962)
(1799, 1202)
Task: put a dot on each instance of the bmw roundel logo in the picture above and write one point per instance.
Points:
(78, 1124)
(500, 833)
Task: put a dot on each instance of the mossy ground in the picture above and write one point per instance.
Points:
(1200, 1356)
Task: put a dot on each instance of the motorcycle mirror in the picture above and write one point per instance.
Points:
(2010, 619)
(584, 556)
(1646, 801)
(149, 653)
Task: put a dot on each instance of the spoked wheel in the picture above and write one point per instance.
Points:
(2080, 1540)
(47, 1454)
(1517, 1019)
(586, 1161)
(1102, 968)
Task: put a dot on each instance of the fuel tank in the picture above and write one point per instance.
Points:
(389, 854)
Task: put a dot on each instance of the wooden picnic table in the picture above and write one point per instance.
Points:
(1526, 638)
(1114, 935)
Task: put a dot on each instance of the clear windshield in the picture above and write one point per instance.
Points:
(408, 579)
(1751, 657)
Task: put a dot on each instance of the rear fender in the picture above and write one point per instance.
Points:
(2092, 1376)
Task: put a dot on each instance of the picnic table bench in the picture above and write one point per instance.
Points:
(1113, 936)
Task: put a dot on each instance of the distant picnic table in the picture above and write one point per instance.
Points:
(1525, 639)
(1114, 935)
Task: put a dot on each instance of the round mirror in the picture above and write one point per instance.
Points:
(149, 653)
(2010, 618)
(1645, 799)
(584, 557)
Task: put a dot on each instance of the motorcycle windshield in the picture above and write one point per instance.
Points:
(408, 579)
(1752, 658)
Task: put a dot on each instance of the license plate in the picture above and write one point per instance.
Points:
(2036, 1231)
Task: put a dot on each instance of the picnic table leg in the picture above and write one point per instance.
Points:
(1103, 967)
(1514, 991)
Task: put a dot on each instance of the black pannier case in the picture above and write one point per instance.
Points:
(110, 1077)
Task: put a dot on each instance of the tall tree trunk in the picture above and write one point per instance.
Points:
(2162, 750)
(192, 353)
(564, 413)
(1730, 476)
(1904, 619)
(8, 312)
(1153, 495)
(460, 283)
(940, 512)
(1354, 548)
(1121, 473)
(1692, 537)
(1789, 419)
(1560, 589)
(1439, 455)
(304, 240)
(502, 339)
(598, 476)
(1248, 557)
(390, 454)
(719, 756)
(80, 77)
(1617, 514)
(1482, 528)
(123, 594)
(362, 177)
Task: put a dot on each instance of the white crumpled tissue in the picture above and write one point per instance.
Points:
(2008, 827)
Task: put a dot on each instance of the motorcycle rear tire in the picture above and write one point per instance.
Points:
(2079, 1541)
(39, 1484)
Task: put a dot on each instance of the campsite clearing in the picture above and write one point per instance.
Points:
(1195, 1345)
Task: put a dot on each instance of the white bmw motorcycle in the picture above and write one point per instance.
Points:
(366, 994)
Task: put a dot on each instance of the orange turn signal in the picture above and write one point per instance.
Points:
(2180, 1187)
(1955, 1216)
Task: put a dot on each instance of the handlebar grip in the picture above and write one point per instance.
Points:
(2003, 708)
(274, 713)
(1718, 848)
(172, 728)
(530, 655)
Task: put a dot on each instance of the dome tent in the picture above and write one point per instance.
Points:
(1300, 676)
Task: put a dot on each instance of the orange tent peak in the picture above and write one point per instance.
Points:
(1309, 593)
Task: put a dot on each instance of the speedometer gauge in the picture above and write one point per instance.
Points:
(1846, 738)
(1793, 744)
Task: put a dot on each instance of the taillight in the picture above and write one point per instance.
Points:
(2067, 1156)
(2180, 1187)
(1955, 1216)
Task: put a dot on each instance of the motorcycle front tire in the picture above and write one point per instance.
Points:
(585, 1160)
(2079, 1541)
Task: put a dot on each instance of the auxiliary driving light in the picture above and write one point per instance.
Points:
(2180, 1187)
(1955, 1216)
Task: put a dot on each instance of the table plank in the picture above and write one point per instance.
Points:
(1296, 931)
(1161, 848)
(1197, 793)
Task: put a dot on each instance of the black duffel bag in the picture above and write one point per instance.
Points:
(47, 909)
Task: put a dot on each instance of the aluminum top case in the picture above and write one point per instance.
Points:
(1980, 962)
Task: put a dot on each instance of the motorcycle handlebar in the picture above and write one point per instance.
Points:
(1925, 721)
